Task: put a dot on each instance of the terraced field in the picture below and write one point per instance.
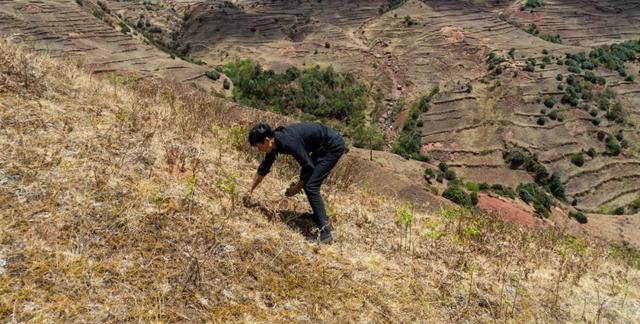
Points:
(66, 28)
(403, 49)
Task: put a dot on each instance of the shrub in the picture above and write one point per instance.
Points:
(630, 78)
(579, 216)
(472, 186)
(450, 175)
(541, 121)
(474, 198)
(618, 211)
(550, 102)
(553, 115)
(556, 187)
(503, 191)
(591, 152)
(515, 159)
(443, 166)
(213, 75)
(534, 3)
(80, 2)
(429, 174)
(529, 67)
(124, 28)
(613, 146)
(578, 159)
(559, 77)
(440, 177)
(512, 53)
(533, 193)
(226, 84)
(367, 137)
(596, 121)
(541, 174)
(601, 135)
(327, 45)
(457, 195)
(408, 21)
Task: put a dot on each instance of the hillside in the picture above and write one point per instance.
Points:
(120, 205)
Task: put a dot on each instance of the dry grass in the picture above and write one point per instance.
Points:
(119, 204)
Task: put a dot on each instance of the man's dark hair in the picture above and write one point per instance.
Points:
(259, 132)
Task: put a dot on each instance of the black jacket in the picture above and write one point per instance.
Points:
(302, 141)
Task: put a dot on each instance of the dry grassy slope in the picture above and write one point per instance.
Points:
(63, 28)
(96, 226)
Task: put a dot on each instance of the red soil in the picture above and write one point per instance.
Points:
(505, 210)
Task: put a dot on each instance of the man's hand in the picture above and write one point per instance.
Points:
(246, 198)
(293, 189)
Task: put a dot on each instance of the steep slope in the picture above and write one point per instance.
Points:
(120, 205)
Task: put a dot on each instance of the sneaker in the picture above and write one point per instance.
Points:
(324, 236)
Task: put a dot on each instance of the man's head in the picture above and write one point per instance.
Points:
(262, 137)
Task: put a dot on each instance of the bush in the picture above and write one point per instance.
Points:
(503, 191)
(80, 2)
(367, 137)
(529, 67)
(515, 159)
(613, 146)
(553, 115)
(472, 186)
(550, 102)
(408, 21)
(578, 159)
(541, 121)
(124, 28)
(630, 78)
(579, 216)
(559, 77)
(591, 152)
(450, 175)
(226, 84)
(213, 75)
(618, 211)
(596, 121)
(533, 193)
(484, 186)
(429, 174)
(534, 4)
(457, 195)
(601, 135)
(440, 177)
(556, 187)
(474, 198)
(443, 166)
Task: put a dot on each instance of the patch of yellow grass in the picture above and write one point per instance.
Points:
(120, 205)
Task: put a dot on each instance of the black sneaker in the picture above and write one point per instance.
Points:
(323, 236)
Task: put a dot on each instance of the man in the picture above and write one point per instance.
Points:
(317, 149)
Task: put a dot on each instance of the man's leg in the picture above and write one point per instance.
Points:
(323, 167)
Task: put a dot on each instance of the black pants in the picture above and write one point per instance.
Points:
(323, 166)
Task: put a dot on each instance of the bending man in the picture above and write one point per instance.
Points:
(317, 149)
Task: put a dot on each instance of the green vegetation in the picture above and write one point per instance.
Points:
(503, 191)
(591, 152)
(533, 30)
(534, 4)
(450, 175)
(319, 92)
(408, 21)
(367, 137)
(579, 216)
(443, 166)
(618, 211)
(410, 142)
(213, 75)
(533, 193)
(124, 28)
(515, 159)
(550, 102)
(456, 194)
(226, 85)
(578, 159)
(613, 146)
(80, 2)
